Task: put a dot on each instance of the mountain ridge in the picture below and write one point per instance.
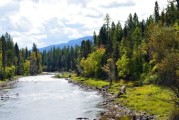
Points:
(72, 43)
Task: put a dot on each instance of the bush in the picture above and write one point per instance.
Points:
(152, 79)
(9, 72)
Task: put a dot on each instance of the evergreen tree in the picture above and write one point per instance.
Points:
(3, 52)
(103, 37)
(125, 32)
(135, 20)
(156, 12)
(35, 61)
(18, 59)
(107, 21)
(118, 33)
(95, 38)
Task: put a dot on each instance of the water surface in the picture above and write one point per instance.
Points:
(46, 98)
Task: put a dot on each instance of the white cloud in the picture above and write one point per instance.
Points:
(47, 22)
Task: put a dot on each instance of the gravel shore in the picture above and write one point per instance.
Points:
(115, 111)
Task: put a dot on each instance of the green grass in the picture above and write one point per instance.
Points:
(90, 81)
(149, 98)
(63, 75)
(13, 78)
(152, 99)
(1, 81)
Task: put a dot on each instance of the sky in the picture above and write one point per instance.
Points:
(48, 22)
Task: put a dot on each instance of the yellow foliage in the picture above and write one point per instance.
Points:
(92, 64)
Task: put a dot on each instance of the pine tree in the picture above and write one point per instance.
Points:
(118, 33)
(107, 21)
(163, 17)
(18, 59)
(125, 32)
(3, 52)
(103, 36)
(10, 57)
(156, 12)
(129, 23)
(95, 38)
(135, 20)
(35, 60)
(142, 26)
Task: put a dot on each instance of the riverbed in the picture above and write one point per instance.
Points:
(46, 98)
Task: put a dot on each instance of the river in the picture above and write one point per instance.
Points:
(45, 98)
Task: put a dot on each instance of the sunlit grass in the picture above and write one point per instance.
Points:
(91, 82)
(151, 99)
(1, 81)
(63, 75)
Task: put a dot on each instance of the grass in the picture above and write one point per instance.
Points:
(63, 75)
(13, 78)
(1, 81)
(151, 99)
(90, 81)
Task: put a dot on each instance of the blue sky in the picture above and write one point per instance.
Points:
(47, 22)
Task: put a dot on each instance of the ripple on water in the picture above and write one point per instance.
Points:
(43, 97)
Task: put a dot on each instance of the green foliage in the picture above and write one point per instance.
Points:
(156, 12)
(64, 59)
(90, 81)
(27, 67)
(136, 68)
(149, 98)
(35, 63)
(123, 66)
(86, 48)
(109, 68)
(11, 58)
(137, 36)
(152, 99)
(150, 79)
(9, 72)
(92, 64)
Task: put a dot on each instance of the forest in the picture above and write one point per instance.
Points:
(146, 52)
(15, 61)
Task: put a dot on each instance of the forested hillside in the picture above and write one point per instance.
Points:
(145, 51)
(15, 61)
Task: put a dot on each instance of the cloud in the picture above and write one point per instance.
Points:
(93, 13)
(9, 8)
(47, 22)
(81, 2)
(116, 4)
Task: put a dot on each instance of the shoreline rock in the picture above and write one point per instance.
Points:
(114, 111)
(7, 84)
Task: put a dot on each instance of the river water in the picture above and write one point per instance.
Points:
(45, 98)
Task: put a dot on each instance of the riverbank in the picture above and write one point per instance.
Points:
(145, 102)
(4, 84)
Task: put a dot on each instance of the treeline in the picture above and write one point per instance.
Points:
(67, 58)
(15, 61)
(146, 51)
(58, 59)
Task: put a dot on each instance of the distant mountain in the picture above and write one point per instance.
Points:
(69, 43)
